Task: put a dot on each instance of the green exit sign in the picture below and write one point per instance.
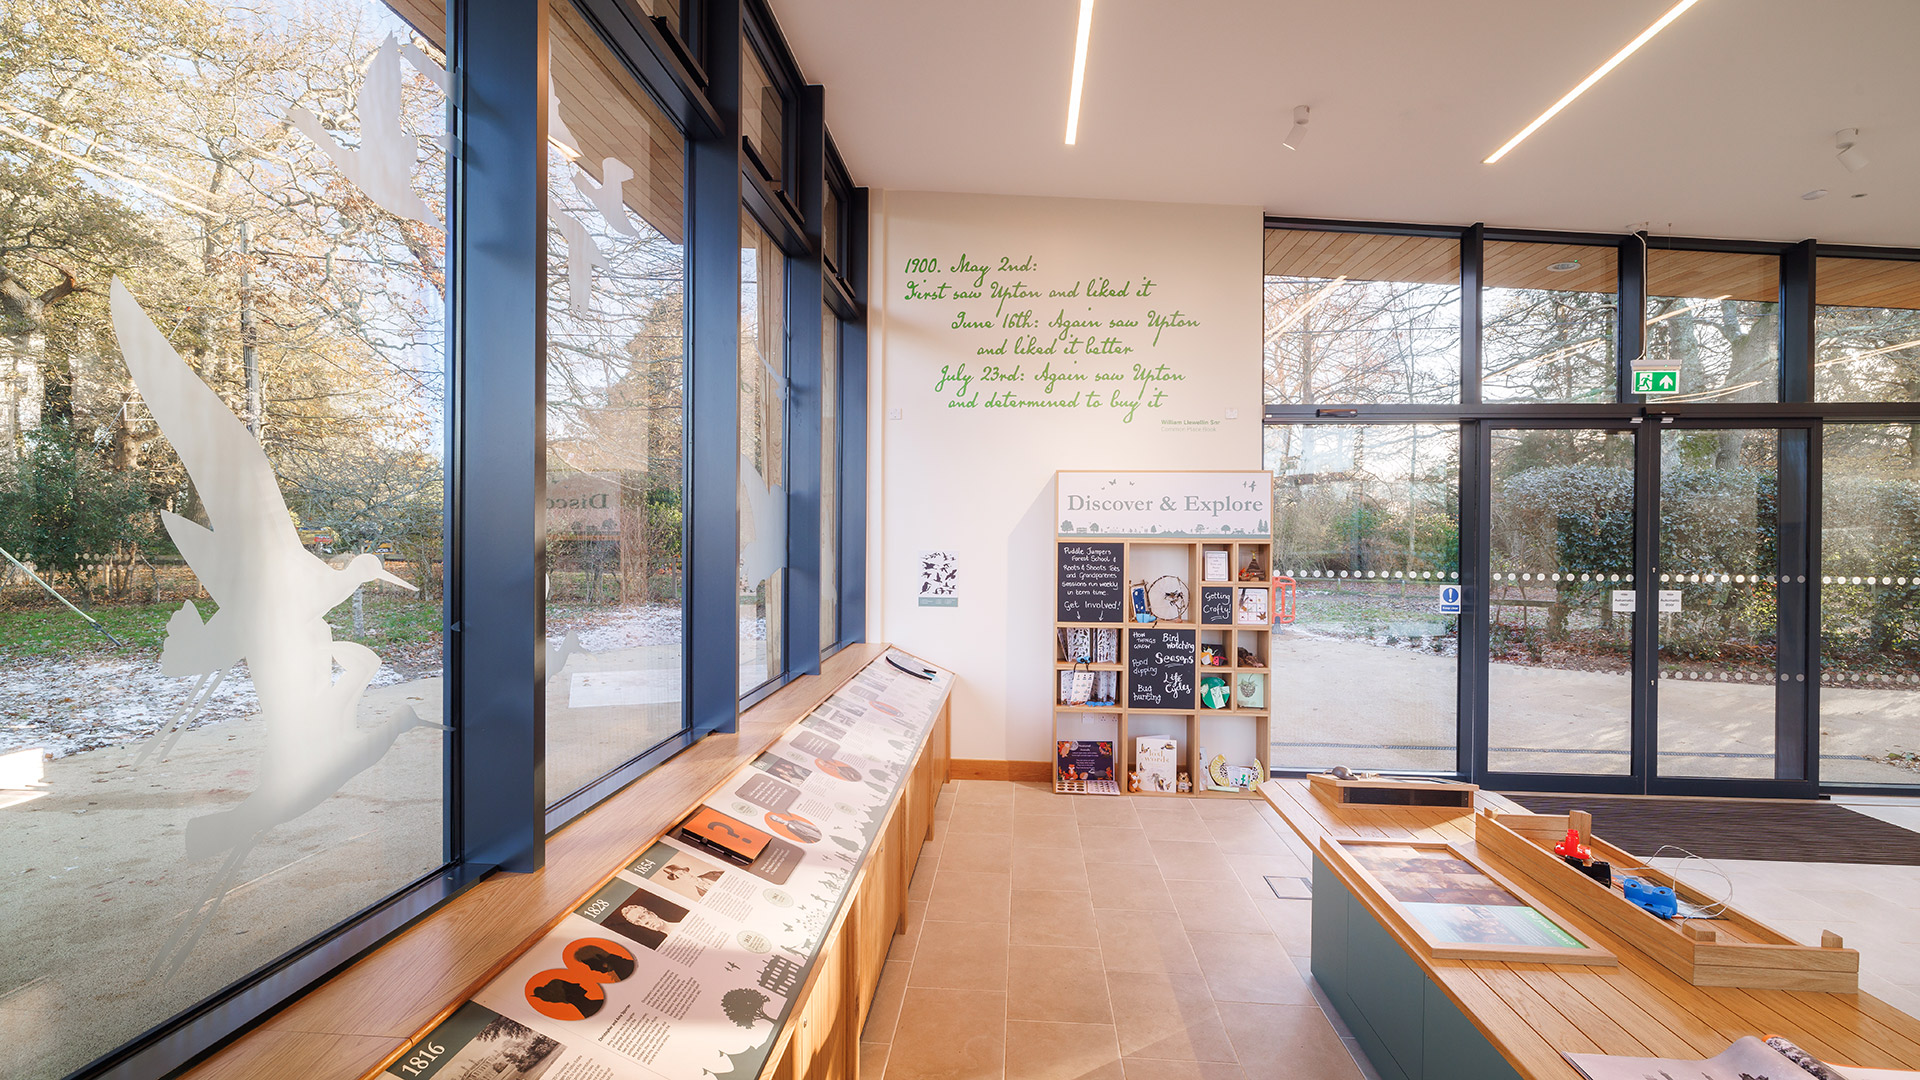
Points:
(1656, 381)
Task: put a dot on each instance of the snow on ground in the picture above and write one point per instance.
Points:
(613, 629)
(69, 704)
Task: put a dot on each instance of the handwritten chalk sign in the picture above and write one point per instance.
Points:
(1160, 668)
(1216, 606)
(1089, 585)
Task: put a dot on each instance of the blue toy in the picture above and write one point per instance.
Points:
(1655, 899)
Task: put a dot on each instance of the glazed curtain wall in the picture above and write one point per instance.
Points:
(319, 600)
(1459, 401)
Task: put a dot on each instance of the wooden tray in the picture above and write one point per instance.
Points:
(1390, 793)
(1732, 950)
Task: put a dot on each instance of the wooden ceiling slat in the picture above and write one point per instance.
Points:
(613, 118)
(1872, 283)
(1362, 256)
(427, 17)
(1705, 274)
(1515, 265)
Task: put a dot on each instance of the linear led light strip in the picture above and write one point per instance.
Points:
(1079, 70)
(1598, 74)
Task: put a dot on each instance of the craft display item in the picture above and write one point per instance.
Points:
(1185, 785)
(1212, 656)
(1253, 606)
(1250, 691)
(1106, 646)
(1167, 598)
(1133, 780)
(1252, 571)
(1214, 693)
(1142, 611)
(1216, 568)
(1246, 658)
(1079, 645)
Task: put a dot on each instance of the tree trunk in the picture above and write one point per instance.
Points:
(249, 337)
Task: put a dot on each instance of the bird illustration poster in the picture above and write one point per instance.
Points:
(683, 967)
(939, 579)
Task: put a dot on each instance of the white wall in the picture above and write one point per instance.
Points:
(979, 481)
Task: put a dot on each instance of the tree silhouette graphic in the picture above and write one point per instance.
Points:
(745, 1006)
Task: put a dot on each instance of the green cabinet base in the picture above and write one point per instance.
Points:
(1408, 1027)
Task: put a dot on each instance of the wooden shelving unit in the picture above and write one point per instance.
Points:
(1148, 559)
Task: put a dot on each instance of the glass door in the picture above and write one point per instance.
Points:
(1560, 552)
(1729, 598)
(1643, 620)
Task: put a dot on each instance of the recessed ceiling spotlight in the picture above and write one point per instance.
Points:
(1816, 193)
(1563, 267)
(1299, 129)
(1846, 141)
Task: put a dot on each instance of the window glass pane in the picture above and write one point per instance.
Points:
(1548, 314)
(763, 456)
(1866, 330)
(1715, 317)
(1560, 677)
(829, 476)
(615, 402)
(1363, 320)
(830, 233)
(1870, 604)
(1366, 522)
(1719, 658)
(762, 112)
(222, 390)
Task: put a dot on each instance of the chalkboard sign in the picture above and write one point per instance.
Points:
(1091, 588)
(1216, 606)
(1160, 667)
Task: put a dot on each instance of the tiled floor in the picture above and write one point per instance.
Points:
(1054, 937)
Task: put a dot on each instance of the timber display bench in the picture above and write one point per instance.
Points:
(1667, 992)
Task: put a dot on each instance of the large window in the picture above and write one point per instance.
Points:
(1367, 526)
(1715, 317)
(829, 477)
(763, 456)
(616, 391)
(1870, 604)
(1867, 330)
(1702, 591)
(223, 267)
(1548, 315)
(1354, 318)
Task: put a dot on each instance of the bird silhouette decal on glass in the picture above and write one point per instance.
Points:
(273, 596)
(382, 165)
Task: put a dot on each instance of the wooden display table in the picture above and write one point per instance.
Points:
(1421, 1018)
